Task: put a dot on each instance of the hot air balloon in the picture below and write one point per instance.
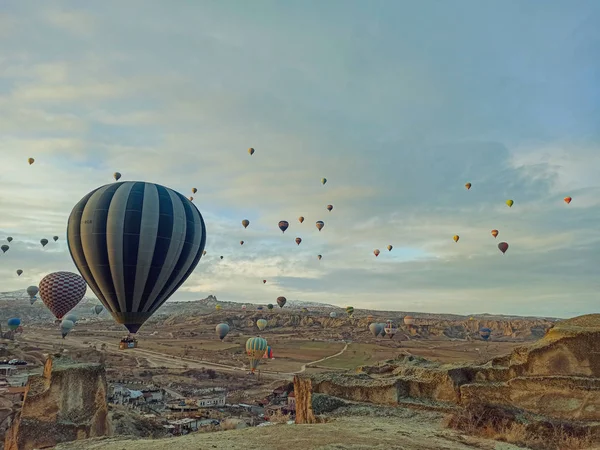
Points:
(510, 203)
(298, 240)
(323, 180)
(135, 244)
(255, 349)
(349, 311)
(19, 272)
(9, 239)
(268, 353)
(495, 233)
(32, 291)
(194, 190)
(319, 256)
(376, 252)
(55, 238)
(244, 307)
(117, 176)
(468, 186)
(245, 223)
(251, 151)
(222, 329)
(261, 324)
(97, 309)
(4, 248)
(503, 246)
(568, 200)
(304, 310)
(65, 327)
(44, 242)
(329, 207)
(320, 224)
(485, 333)
(333, 314)
(218, 307)
(14, 323)
(31, 161)
(375, 329)
(390, 329)
(283, 225)
(71, 317)
(270, 306)
(301, 219)
(264, 281)
(281, 301)
(61, 292)
(191, 199)
(370, 318)
(456, 238)
(389, 247)
(409, 320)
(382, 334)
(241, 242)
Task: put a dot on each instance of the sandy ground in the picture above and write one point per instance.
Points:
(415, 432)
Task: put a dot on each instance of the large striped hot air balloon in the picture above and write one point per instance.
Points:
(135, 244)
(255, 349)
(61, 292)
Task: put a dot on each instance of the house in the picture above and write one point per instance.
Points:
(212, 398)
(7, 370)
(291, 402)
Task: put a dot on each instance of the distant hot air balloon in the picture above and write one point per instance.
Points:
(97, 309)
(319, 256)
(203, 252)
(390, 329)
(376, 252)
(456, 237)
(251, 151)
(241, 242)
(194, 190)
(301, 219)
(109, 233)
(222, 329)
(468, 186)
(320, 224)
(32, 291)
(9, 239)
(323, 180)
(298, 240)
(218, 307)
(268, 353)
(71, 317)
(485, 333)
(14, 323)
(510, 203)
(389, 247)
(503, 246)
(264, 281)
(495, 233)
(349, 311)
(568, 200)
(244, 307)
(333, 314)
(19, 272)
(44, 242)
(55, 238)
(375, 329)
(31, 161)
(255, 349)
(409, 320)
(245, 223)
(65, 327)
(190, 198)
(329, 207)
(261, 324)
(281, 301)
(270, 306)
(61, 292)
(370, 318)
(283, 225)
(117, 176)
(221, 257)
(4, 248)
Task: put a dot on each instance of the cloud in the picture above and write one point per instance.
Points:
(397, 116)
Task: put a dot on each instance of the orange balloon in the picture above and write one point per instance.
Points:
(568, 200)
(468, 186)
(494, 233)
(456, 238)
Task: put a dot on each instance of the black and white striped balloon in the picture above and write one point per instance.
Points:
(135, 244)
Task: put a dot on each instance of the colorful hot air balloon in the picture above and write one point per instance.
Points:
(4, 248)
(376, 252)
(31, 161)
(255, 349)
(510, 203)
(495, 233)
(135, 244)
(268, 353)
(261, 324)
(251, 151)
(9, 239)
(55, 238)
(117, 176)
(468, 186)
(333, 314)
(194, 190)
(283, 225)
(320, 224)
(323, 180)
(32, 291)
(301, 219)
(245, 223)
(97, 309)
(375, 329)
(222, 329)
(241, 242)
(19, 272)
(349, 311)
(218, 307)
(568, 200)
(456, 237)
(409, 320)
(65, 327)
(319, 257)
(14, 323)
(389, 247)
(270, 306)
(281, 301)
(329, 207)
(485, 333)
(44, 242)
(390, 329)
(503, 246)
(71, 317)
(298, 240)
(61, 292)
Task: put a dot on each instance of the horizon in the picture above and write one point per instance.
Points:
(396, 106)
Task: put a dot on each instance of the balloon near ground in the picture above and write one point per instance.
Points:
(13, 323)
(255, 349)
(135, 244)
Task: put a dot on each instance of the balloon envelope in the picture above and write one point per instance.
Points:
(222, 329)
(71, 317)
(261, 324)
(32, 291)
(283, 225)
(281, 301)
(14, 323)
(503, 246)
(376, 329)
(320, 224)
(245, 223)
(135, 243)
(61, 292)
(66, 326)
(255, 349)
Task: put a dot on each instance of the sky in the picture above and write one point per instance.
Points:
(397, 103)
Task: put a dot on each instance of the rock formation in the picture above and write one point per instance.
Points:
(67, 402)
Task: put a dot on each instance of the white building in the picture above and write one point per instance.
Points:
(212, 398)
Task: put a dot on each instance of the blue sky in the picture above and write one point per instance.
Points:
(398, 104)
